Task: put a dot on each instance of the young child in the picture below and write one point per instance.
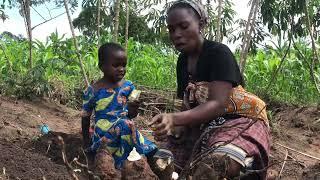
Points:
(108, 99)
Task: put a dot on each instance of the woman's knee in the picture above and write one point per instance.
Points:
(233, 169)
(217, 166)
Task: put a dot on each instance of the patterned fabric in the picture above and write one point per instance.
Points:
(246, 104)
(241, 102)
(113, 130)
(253, 142)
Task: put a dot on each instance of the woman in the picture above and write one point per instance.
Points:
(235, 123)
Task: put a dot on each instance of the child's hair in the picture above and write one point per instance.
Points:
(105, 50)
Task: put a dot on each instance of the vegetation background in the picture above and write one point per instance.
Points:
(284, 69)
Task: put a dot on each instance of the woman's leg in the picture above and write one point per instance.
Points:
(218, 165)
(242, 145)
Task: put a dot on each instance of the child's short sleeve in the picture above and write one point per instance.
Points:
(88, 102)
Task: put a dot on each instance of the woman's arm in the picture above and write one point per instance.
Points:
(219, 92)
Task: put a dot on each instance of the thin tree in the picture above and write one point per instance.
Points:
(247, 36)
(98, 22)
(313, 45)
(218, 34)
(116, 21)
(127, 23)
(76, 43)
(27, 17)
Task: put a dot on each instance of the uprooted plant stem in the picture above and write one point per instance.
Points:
(65, 160)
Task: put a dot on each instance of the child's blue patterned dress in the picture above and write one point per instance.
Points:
(113, 129)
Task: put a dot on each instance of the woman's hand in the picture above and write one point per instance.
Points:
(162, 125)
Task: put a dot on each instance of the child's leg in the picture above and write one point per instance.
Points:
(130, 137)
(120, 139)
(104, 167)
(160, 160)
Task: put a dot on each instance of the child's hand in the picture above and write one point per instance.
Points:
(133, 107)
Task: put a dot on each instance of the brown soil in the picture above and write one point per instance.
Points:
(131, 168)
(297, 128)
(23, 164)
(25, 153)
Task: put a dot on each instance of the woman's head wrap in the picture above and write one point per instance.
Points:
(196, 6)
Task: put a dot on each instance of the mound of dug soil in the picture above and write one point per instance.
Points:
(49, 149)
(23, 164)
(24, 155)
(48, 145)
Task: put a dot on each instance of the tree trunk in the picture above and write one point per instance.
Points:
(116, 21)
(314, 48)
(218, 34)
(206, 32)
(250, 37)
(76, 44)
(247, 36)
(127, 23)
(26, 11)
(98, 23)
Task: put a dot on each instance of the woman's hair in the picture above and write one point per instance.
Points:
(182, 5)
(196, 7)
(105, 50)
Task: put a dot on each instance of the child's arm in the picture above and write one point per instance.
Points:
(133, 107)
(87, 109)
(85, 125)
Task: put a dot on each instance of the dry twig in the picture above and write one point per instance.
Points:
(295, 160)
(65, 160)
(248, 172)
(48, 148)
(284, 163)
(302, 153)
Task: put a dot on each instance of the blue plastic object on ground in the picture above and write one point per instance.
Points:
(44, 129)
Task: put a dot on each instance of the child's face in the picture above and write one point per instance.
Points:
(115, 68)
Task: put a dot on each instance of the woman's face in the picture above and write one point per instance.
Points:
(184, 29)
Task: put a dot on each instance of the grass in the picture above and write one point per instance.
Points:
(56, 73)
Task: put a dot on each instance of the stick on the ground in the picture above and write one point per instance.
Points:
(75, 160)
(284, 163)
(84, 166)
(65, 160)
(48, 148)
(317, 121)
(248, 172)
(305, 154)
(84, 154)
